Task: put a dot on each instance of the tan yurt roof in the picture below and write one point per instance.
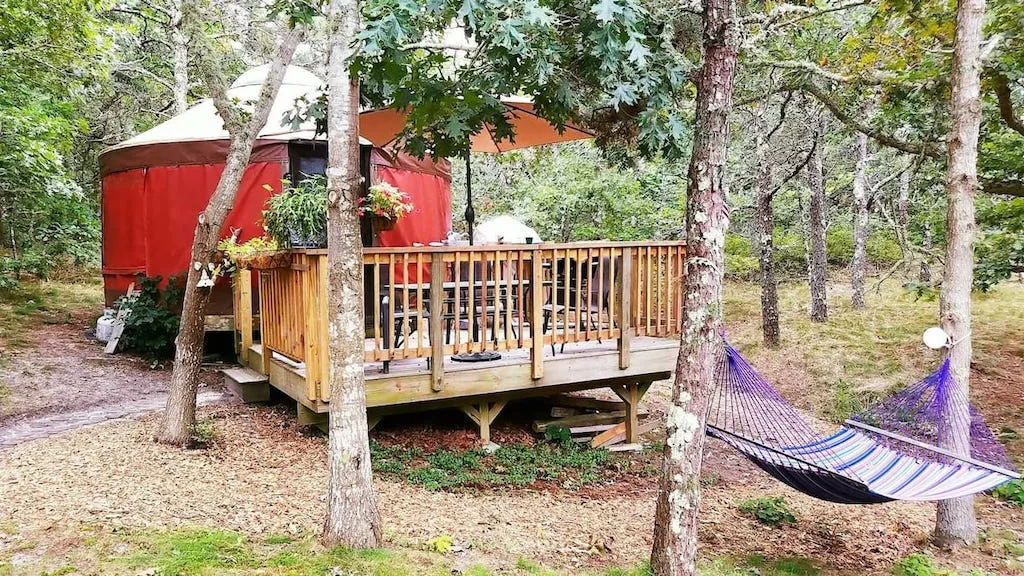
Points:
(202, 123)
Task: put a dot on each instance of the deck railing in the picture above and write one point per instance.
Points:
(435, 302)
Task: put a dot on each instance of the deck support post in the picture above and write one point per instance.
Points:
(631, 395)
(267, 353)
(243, 314)
(483, 414)
(436, 321)
(307, 417)
(625, 307)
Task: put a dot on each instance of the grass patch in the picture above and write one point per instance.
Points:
(205, 552)
(860, 354)
(42, 302)
(567, 463)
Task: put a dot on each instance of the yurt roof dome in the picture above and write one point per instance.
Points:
(202, 123)
(293, 76)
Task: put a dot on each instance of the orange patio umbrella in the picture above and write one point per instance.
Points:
(382, 127)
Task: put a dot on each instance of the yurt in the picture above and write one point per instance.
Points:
(155, 185)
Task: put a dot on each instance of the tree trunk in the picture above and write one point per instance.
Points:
(674, 552)
(179, 57)
(764, 227)
(180, 413)
(861, 222)
(954, 522)
(818, 268)
(352, 517)
(903, 220)
(925, 275)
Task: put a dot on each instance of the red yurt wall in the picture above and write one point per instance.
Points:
(149, 213)
(431, 218)
(149, 217)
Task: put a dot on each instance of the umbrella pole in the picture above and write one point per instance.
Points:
(470, 213)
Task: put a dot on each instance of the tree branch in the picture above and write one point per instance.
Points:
(1004, 187)
(1004, 97)
(932, 149)
(798, 169)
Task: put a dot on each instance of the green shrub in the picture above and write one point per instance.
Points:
(744, 268)
(152, 326)
(919, 565)
(203, 433)
(736, 245)
(771, 511)
(569, 463)
(790, 255)
(1012, 492)
(839, 245)
(883, 250)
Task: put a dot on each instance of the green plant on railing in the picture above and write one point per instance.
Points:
(297, 217)
(771, 511)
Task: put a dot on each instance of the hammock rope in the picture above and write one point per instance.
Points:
(888, 452)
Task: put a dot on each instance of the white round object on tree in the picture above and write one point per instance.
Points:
(935, 338)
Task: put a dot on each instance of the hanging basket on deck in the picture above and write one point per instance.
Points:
(264, 260)
(382, 224)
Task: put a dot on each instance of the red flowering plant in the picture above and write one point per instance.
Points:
(385, 202)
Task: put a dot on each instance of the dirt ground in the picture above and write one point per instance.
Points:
(62, 370)
(264, 475)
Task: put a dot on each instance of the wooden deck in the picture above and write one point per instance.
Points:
(563, 317)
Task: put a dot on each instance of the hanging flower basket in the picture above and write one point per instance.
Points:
(384, 205)
(382, 224)
(264, 260)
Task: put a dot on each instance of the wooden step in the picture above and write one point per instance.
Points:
(248, 384)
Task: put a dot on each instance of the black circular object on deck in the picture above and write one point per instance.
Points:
(488, 356)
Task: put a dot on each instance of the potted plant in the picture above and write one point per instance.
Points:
(297, 217)
(256, 254)
(385, 205)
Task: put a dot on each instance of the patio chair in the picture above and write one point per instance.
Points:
(599, 292)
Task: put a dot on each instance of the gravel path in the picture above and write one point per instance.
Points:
(60, 422)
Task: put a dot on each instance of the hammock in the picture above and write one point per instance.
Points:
(889, 452)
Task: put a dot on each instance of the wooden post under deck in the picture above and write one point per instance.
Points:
(631, 395)
(484, 414)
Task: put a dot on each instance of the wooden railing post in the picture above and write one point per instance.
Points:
(310, 300)
(243, 313)
(537, 314)
(436, 321)
(626, 306)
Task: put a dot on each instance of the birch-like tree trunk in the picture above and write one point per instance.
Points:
(818, 259)
(352, 517)
(903, 220)
(955, 523)
(925, 274)
(179, 56)
(674, 552)
(764, 227)
(861, 220)
(243, 127)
